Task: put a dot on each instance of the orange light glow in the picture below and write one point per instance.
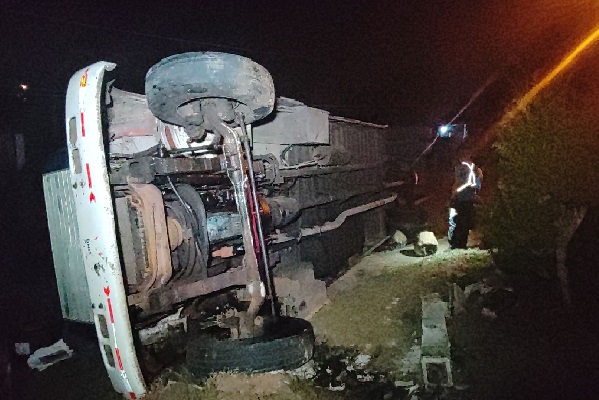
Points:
(524, 101)
(530, 95)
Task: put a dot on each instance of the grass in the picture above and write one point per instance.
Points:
(534, 349)
(380, 314)
(233, 386)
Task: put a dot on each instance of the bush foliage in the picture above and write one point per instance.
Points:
(547, 160)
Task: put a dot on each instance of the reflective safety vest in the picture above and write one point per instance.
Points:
(471, 180)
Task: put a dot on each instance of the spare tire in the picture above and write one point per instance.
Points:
(184, 78)
(287, 343)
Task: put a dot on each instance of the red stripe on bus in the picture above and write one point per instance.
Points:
(82, 124)
(110, 311)
(89, 175)
(118, 357)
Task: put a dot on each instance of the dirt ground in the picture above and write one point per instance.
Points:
(525, 345)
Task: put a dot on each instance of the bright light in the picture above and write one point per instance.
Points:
(444, 129)
(24, 86)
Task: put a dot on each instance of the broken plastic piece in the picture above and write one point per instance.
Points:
(22, 349)
(47, 356)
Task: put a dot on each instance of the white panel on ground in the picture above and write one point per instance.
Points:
(66, 249)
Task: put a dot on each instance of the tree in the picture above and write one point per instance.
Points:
(548, 172)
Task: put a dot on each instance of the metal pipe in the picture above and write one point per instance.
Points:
(235, 170)
(263, 250)
(247, 149)
(325, 170)
(329, 226)
(394, 184)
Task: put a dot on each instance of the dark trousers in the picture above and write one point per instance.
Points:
(461, 220)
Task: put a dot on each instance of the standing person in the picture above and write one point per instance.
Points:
(461, 212)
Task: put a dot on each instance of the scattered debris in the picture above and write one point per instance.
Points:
(47, 356)
(162, 330)
(480, 287)
(488, 313)
(22, 349)
(458, 300)
(488, 297)
(412, 391)
(410, 363)
(337, 388)
(361, 361)
(366, 377)
(306, 371)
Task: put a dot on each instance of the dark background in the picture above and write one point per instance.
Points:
(409, 62)
(401, 62)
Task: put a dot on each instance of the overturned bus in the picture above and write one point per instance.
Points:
(205, 217)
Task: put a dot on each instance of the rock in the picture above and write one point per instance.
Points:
(489, 314)
(426, 244)
(480, 287)
(459, 300)
(361, 361)
(336, 388)
(306, 371)
(410, 363)
(400, 238)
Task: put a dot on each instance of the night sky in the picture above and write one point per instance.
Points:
(404, 62)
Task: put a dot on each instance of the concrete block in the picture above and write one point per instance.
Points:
(442, 376)
(299, 294)
(400, 238)
(435, 344)
(426, 244)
